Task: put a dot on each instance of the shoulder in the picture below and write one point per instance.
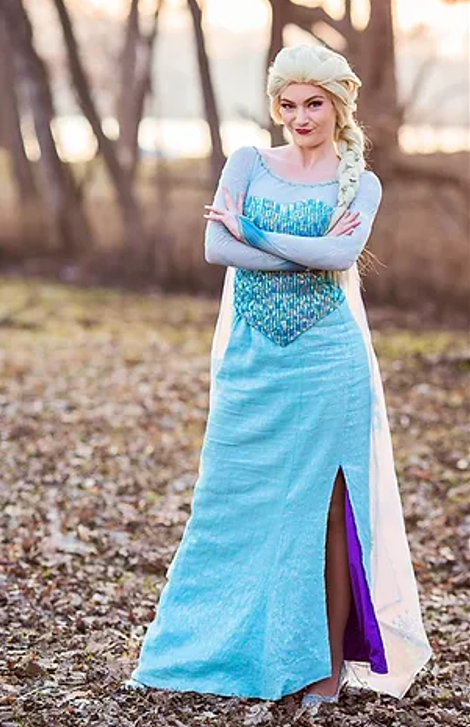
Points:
(239, 164)
(243, 154)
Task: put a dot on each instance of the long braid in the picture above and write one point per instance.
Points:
(350, 142)
(350, 145)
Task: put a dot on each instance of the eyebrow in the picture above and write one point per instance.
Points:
(317, 95)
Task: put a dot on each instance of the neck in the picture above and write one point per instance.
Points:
(308, 157)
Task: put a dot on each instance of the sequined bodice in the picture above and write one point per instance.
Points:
(282, 305)
(302, 217)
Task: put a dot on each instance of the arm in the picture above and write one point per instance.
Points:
(220, 246)
(326, 252)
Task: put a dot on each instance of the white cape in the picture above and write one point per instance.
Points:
(393, 588)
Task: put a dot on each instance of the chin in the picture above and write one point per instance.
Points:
(300, 141)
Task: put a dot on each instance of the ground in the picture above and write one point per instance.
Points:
(103, 401)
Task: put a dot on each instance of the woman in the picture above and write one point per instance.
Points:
(294, 571)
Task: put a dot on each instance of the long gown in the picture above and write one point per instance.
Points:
(292, 401)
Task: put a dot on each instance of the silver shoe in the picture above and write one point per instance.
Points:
(133, 684)
(312, 702)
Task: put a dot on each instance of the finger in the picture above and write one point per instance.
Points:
(228, 199)
(354, 221)
(349, 229)
(344, 230)
(240, 202)
(348, 217)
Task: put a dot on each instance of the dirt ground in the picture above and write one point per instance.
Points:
(103, 401)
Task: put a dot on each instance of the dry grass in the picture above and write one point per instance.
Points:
(421, 236)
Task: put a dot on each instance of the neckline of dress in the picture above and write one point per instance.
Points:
(291, 181)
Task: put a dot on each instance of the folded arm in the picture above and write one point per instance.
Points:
(327, 252)
(220, 246)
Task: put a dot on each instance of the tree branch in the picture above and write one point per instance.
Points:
(306, 17)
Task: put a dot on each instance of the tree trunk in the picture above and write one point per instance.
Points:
(69, 228)
(136, 240)
(278, 22)
(210, 105)
(127, 145)
(11, 123)
(378, 107)
(28, 200)
(136, 72)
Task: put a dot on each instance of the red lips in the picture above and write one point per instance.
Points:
(303, 131)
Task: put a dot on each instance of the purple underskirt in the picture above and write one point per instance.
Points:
(362, 637)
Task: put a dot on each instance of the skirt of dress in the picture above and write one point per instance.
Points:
(243, 612)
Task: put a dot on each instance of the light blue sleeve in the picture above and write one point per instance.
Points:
(326, 252)
(220, 246)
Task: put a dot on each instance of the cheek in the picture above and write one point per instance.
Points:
(287, 117)
(325, 119)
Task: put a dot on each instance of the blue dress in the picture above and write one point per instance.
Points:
(243, 611)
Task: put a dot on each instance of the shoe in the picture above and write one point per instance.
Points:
(133, 684)
(312, 702)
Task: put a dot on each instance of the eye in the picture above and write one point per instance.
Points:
(286, 106)
(316, 103)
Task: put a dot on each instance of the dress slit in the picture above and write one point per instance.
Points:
(362, 637)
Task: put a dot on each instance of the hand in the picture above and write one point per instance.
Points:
(346, 224)
(228, 216)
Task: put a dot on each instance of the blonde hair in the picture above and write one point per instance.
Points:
(323, 67)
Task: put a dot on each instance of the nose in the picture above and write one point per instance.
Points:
(301, 115)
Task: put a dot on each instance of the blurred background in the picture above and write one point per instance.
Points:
(116, 117)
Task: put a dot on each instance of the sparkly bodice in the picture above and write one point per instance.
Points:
(282, 304)
(301, 217)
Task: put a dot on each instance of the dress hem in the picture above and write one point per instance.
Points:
(221, 692)
(226, 693)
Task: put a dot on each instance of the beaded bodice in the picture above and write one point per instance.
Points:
(282, 304)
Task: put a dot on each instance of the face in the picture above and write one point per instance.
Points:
(307, 108)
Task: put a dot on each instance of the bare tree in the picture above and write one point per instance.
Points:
(11, 123)
(136, 241)
(210, 104)
(67, 223)
(136, 69)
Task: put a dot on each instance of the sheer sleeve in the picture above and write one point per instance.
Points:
(220, 246)
(326, 252)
